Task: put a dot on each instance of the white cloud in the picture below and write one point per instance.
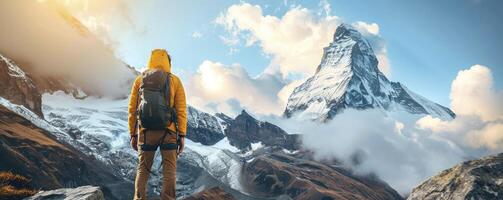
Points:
(404, 149)
(473, 94)
(491, 136)
(214, 87)
(369, 142)
(367, 28)
(106, 19)
(295, 40)
(287, 90)
(197, 34)
(479, 110)
(325, 8)
(371, 32)
(66, 49)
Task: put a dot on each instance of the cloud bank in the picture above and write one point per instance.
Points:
(370, 142)
(479, 109)
(294, 41)
(405, 149)
(295, 44)
(48, 41)
(219, 88)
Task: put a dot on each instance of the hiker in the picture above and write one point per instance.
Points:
(157, 119)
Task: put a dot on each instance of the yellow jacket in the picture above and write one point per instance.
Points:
(159, 59)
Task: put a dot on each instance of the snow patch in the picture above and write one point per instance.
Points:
(225, 144)
(103, 118)
(34, 118)
(490, 191)
(220, 163)
(15, 71)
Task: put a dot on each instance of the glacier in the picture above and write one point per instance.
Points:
(100, 126)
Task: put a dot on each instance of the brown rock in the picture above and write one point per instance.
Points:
(18, 87)
(34, 153)
(278, 174)
(214, 193)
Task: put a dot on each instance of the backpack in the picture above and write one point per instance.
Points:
(154, 112)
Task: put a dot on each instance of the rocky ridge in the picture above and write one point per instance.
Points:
(475, 179)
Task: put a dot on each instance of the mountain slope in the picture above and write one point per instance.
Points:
(348, 77)
(30, 151)
(476, 179)
(298, 176)
(18, 87)
(58, 51)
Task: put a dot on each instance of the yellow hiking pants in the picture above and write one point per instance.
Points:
(145, 161)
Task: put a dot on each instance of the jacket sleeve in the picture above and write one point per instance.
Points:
(181, 108)
(133, 105)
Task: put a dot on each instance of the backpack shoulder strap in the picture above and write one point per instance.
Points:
(167, 89)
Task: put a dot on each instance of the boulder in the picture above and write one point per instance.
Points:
(476, 179)
(80, 193)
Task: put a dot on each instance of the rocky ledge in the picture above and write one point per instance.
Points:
(476, 179)
(210, 194)
(81, 193)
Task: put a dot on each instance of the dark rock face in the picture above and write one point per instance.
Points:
(226, 120)
(203, 127)
(476, 179)
(33, 152)
(203, 135)
(245, 130)
(18, 87)
(210, 194)
(272, 175)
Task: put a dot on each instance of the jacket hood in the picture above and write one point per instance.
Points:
(159, 60)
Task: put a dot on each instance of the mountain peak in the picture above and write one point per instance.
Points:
(347, 47)
(348, 77)
(346, 30)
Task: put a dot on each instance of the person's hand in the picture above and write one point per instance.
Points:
(134, 143)
(181, 146)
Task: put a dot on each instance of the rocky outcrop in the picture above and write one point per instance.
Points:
(211, 194)
(276, 174)
(203, 127)
(30, 151)
(245, 130)
(476, 179)
(80, 193)
(18, 87)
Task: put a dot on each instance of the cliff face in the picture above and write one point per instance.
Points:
(476, 179)
(30, 151)
(18, 87)
(245, 130)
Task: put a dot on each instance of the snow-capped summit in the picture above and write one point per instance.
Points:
(348, 77)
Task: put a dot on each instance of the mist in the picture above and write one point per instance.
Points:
(45, 40)
(405, 149)
(372, 142)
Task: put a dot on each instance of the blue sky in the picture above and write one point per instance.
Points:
(427, 41)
